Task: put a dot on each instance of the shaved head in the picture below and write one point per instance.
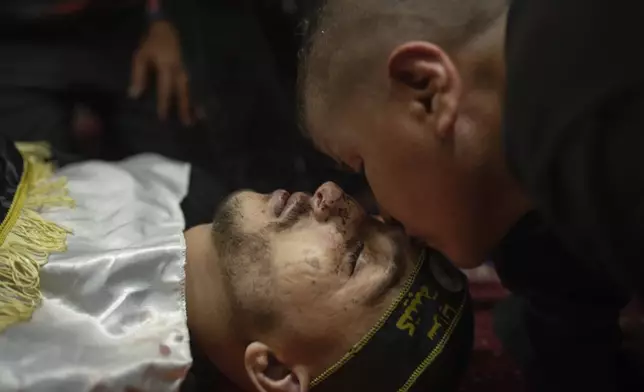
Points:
(348, 41)
(410, 92)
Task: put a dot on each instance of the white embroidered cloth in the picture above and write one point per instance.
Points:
(113, 317)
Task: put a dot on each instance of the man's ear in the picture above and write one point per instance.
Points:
(425, 73)
(268, 374)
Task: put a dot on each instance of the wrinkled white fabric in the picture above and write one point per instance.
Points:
(113, 318)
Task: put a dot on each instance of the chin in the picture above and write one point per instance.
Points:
(469, 265)
(465, 260)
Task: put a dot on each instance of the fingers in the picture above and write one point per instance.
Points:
(183, 98)
(139, 74)
(172, 80)
(164, 90)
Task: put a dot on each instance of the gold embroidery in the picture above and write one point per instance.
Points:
(26, 239)
(407, 322)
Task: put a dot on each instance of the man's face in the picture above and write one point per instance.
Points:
(323, 267)
(422, 136)
(413, 176)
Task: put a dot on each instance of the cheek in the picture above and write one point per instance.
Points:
(252, 289)
(304, 269)
(309, 303)
(302, 283)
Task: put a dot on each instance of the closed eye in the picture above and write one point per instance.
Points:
(355, 256)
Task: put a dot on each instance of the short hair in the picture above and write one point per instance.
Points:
(345, 41)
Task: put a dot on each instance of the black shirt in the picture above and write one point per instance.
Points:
(570, 339)
(573, 123)
(204, 194)
(574, 138)
(203, 375)
(32, 11)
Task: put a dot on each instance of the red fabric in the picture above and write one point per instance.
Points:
(70, 7)
(491, 369)
(153, 6)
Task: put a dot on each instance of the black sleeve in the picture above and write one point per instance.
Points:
(569, 336)
(574, 123)
(205, 192)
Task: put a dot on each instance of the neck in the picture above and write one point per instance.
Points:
(209, 311)
(502, 203)
(498, 199)
(204, 298)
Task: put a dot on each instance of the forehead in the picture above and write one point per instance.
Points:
(330, 126)
(350, 133)
(339, 141)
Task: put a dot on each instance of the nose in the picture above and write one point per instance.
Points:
(331, 203)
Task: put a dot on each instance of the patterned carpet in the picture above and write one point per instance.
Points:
(491, 369)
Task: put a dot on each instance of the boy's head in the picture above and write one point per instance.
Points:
(411, 93)
(326, 297)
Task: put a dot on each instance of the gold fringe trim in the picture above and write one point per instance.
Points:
(26, 239)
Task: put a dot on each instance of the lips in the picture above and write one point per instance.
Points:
(279, 199)
(296, 205)
(287, 206)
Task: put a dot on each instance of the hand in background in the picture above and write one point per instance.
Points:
(161, 51)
